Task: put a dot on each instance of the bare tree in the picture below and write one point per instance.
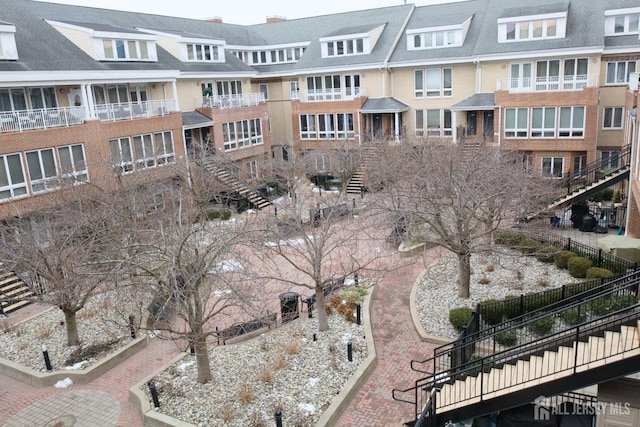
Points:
(63, 250)
(455, 198)
(315, 242)
(194, 268)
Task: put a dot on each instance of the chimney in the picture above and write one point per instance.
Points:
(271, 19)
(215, 19)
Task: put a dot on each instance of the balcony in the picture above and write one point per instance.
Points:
(345, 94)
(18, 121)
(547, 84)
(232, 101)
(134, 110)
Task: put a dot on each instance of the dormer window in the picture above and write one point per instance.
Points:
(8, 48)
(268, 55)
(109, 43)
(350, 42)
(437, 37)
(202, 52)
(345, 47)
(621, 22)
(527, 28)
(117, 49)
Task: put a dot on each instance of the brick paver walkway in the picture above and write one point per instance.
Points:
(395, 337)
(397, 342)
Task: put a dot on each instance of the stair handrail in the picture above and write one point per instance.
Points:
(592, 172)
(463, 351)
(434, 383)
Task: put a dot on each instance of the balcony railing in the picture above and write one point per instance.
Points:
(18, 121)
(134, 110)
(233, 101)
(344, 94)
(547, 84)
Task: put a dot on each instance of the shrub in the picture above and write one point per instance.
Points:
(484, 281)
(605, 195)
(598, 272)
(562, 258)
(506, 338)
(459, 317)
(600, 306)
(578, 266)
(618, 302)
(542, 326)
(212, 214)
(573, 316)
(491, 312)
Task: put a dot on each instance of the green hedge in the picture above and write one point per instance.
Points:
(542, 326)
(507, 338)
(562, 258)
(578, 266)
(598, 272)
(459, 317)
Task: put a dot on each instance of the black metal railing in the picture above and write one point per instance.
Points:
(595, 171)
(578, 356)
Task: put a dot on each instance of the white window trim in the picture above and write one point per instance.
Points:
(561, 26)
(46, 183)
(460, 32)
(12, 187)
(613, 112)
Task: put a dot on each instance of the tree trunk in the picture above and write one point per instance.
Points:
(323, 322)
(73, 338)
(202, 358)
(464, 279)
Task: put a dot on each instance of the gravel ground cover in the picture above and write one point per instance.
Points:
(284, 369)
(102, 324)
(493, 276)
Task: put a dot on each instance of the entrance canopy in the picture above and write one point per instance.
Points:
(383, 105)
(194, 120)
(476, 102)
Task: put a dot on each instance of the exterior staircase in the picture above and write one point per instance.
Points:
(356, 183)
(236, 185)
(14, 292)
(470, 378)
(593, 178)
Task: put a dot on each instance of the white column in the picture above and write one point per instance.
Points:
(454, 128)
(87, 101)
(175, 94)
(396, 132)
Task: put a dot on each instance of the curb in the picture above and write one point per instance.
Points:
(85, 376)
(328, 418)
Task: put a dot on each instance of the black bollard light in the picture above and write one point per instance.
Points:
(192, 348)
(356, 278)
(132, 327)
(154, 394)
(350, 352)
(358, 314)
(275, 211)
(315, 338)
(47, 361)
(278, 417)
(354, 203)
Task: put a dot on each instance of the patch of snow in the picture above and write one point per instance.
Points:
(306, 408)
(185, 365)
(63, 383)
(79, 365)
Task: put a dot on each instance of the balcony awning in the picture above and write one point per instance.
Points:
(477, 101)
(383, 105)
(194, 120)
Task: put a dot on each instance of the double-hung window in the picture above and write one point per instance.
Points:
(571, 121)
(618, 72)
(43, 173)
(72, 162)
(308, 128)
(345, 126)
(543, 122)
(612, 118)
(164, 150)
(143, 148)
(326, 128)
(553, 166)
(433, 82)
(516, 122)
(121, 154)
(12, 181)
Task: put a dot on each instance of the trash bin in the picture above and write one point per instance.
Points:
(289, 308)
(588, 223)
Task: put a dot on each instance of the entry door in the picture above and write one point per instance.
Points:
(487, 125)
(377, 124)
(472, 122)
